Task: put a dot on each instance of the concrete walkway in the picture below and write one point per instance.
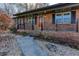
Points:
(29, 47)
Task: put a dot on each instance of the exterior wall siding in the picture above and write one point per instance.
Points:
(37, 23)
(77, 14)
(48, 22)
(77, 18)
(66, 27)
(28, 25)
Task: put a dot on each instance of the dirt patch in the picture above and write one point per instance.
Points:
(8, 45)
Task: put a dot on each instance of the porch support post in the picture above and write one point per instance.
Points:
(16, 22)
(24, 23)
(77, 25)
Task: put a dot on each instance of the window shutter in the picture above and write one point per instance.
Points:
(73, 17)
(53, 18)
(24, 23)
(35, 20)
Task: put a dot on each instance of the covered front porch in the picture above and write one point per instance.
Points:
(58, 19)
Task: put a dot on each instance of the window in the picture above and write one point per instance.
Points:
(66, 13)
(63, 18)
(67, 18)
(30, 20)
(59, 14)
(58, 18)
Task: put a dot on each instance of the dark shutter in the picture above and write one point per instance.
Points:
(24, 23)
(53, 18)
(20, 24)
(73, 17)
(35, 20)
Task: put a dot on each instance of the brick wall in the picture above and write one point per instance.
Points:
(69, 38)
(49, 26)
(66, 27)
(77, 17)
(48, 22)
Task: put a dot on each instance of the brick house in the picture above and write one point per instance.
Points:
(57, 17)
